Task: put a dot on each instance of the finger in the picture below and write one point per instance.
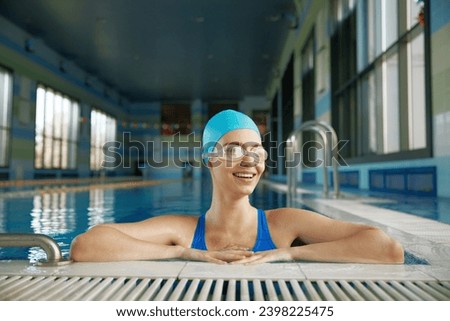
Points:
(248, 260)
(272, 257)
(232, 257)
(239, 252)
(215, 260)
(197, 255)
(263, 259)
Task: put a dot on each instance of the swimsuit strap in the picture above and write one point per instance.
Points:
(263, 239)
(199, 242)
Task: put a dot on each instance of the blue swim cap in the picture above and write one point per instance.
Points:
(223, 123)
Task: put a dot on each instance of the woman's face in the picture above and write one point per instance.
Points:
(239, 163)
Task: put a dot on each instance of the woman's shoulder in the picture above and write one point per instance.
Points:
(290, 214)
(173, 219)
(178, 227)
(286, 224)
(282, 211)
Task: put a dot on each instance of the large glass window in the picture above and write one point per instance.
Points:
(5, 114)
(391, 111)
(416, 93)
(308, 100)
(57, 119)
(103, 130)
(386, 43)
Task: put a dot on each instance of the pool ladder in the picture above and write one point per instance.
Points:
(329, 139)
(48, 244)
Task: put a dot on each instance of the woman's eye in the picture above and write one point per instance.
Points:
(260, 151)
(257, 150)
(234, 151)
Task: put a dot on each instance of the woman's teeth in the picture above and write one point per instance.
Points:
(243, 175)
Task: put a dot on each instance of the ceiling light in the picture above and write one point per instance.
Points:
(274, 18)
(199, 19)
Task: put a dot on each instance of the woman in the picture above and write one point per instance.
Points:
(232, 230)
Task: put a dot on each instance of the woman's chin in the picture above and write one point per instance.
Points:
(246, 189)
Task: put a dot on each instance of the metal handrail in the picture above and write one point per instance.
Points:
(333, 154)
(49, 245)
(323, 130)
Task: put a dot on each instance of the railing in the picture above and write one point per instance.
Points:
(329, 140)
(50, 247)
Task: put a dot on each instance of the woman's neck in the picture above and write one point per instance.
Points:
(230, 211)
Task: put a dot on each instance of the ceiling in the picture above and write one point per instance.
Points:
(164, 49)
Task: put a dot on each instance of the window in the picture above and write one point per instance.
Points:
(321, 53)
(175, 118)
(218, 107)
(260, 117)
(5, 112)
(57, 118)
(378, 79)
(103, 130)
(308, 99)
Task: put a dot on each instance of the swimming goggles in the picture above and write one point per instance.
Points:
(234, 152)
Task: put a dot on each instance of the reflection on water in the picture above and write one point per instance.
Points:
(53, 213)
(101, 206)
(266, 199)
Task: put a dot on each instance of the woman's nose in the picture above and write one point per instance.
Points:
(249, 160)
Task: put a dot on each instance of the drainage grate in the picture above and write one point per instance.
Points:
(126, 288)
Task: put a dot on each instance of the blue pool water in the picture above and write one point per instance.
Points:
(65, 214)
(434, 208)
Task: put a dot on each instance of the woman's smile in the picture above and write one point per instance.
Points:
(244, 175)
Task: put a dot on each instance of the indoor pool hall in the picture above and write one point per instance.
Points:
(225, 150)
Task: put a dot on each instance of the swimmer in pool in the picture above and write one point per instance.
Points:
(232, 230)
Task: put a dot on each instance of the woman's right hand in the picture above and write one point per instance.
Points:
(224, 256)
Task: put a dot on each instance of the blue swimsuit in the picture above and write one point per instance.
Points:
(263, 240)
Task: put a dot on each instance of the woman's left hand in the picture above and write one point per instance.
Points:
(283, 254)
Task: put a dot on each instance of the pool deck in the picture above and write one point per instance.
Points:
(201, 270)
(425, 238)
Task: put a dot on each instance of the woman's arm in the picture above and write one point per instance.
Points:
(107, 243)
(157, 238)
(329, 240)
(368, 245)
